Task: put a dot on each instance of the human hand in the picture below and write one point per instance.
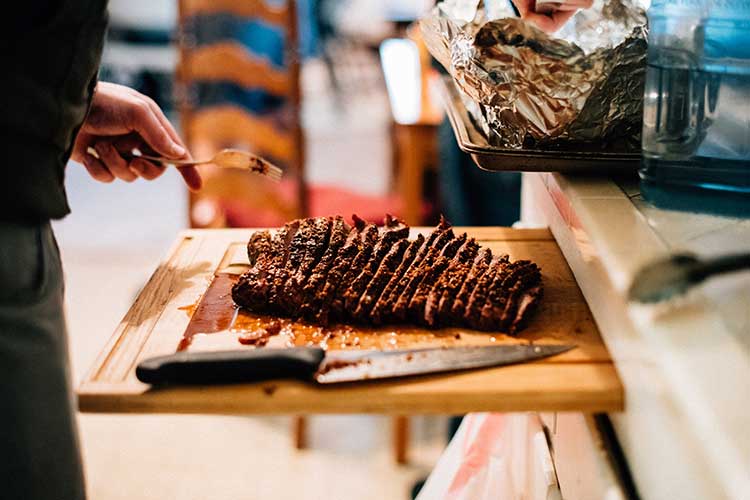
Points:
(119, 121)
(553, 20)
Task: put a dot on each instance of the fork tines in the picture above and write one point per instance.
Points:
(265, 168)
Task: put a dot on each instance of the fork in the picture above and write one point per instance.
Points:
(226, 158)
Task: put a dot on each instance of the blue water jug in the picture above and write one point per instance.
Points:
(696, 110)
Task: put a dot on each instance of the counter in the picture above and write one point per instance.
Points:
(685, 365)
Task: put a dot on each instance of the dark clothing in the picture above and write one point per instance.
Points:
(51, 51)
(471, 196)
(38, 437)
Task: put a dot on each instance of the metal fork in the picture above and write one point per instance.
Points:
(226, 158)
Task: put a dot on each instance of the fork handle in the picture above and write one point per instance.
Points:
(166, 161)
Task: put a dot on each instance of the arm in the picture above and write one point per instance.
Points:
(119, 121)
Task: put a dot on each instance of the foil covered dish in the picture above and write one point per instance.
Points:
(579, 89)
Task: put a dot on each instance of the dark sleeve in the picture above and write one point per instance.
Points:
(28, 15)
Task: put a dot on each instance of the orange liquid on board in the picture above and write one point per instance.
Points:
(216, 314)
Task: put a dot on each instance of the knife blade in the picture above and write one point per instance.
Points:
(315, 364)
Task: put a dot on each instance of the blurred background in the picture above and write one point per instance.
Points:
(340, 94)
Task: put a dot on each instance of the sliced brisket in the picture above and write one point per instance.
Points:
(323, 270)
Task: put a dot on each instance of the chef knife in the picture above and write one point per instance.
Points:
(327, 367)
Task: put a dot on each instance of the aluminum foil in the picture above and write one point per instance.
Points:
(581, 88)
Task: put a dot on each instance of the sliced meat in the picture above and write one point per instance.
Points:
(369, 239)
(379, 280)
(385, 302)
(318, 309)
(392, 231)
(323, 270)
(341, 272)
(530, 278)
(416, 308)
(304, 256)
(480, 266)
(527, 303)
(253, 292)
(259, 246)
(447, 286)
(499, 292)
(479, 294)
(341, 234)
(417, 272)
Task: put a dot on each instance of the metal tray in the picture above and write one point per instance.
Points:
(495, 158)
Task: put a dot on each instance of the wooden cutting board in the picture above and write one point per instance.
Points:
(186, 305)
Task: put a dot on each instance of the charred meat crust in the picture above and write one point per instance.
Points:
(324, 270)
(340, 234)
(384, 303)
(445, 289)
(394, 230)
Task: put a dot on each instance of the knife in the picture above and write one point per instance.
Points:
(329, 367)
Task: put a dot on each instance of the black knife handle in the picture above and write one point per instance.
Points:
(225, 367)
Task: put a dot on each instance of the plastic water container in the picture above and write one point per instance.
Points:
(696, 113)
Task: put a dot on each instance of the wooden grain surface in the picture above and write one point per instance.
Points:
(583, 379)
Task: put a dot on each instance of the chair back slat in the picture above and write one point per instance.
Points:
(232, 126)
(231, 62)
(258, 9)
(276, 133)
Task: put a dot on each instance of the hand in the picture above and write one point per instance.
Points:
(553, 21)
(119, 121)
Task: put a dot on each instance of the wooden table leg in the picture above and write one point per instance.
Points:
(300, 432)
(410, 171)
(401, 439)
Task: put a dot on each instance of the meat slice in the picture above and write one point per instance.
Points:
(379, 280)
(393, 230)
(317, 308)
(305, 250)
(259, 245)
(447, 286)
(480, 266)
(431, 275)
(528, 278)
(341, 234)
(385, 302)
(348, 254)
(254, 288)
(479, 294)
(527, 303)
(369, 240)
(499, 293)
(417, 271)
(302, 259)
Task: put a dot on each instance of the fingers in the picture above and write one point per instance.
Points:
(111, 164)
(549, 23)
(166, 124)
(116, 164)
(576, 5)
(192, 178)
(96, 169)
(145, 122)
(553, 21)
(146, 169)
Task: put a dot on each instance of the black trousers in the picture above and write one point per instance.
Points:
(38, 436)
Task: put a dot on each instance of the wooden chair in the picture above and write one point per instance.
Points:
(415, 118)
(208, 128)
